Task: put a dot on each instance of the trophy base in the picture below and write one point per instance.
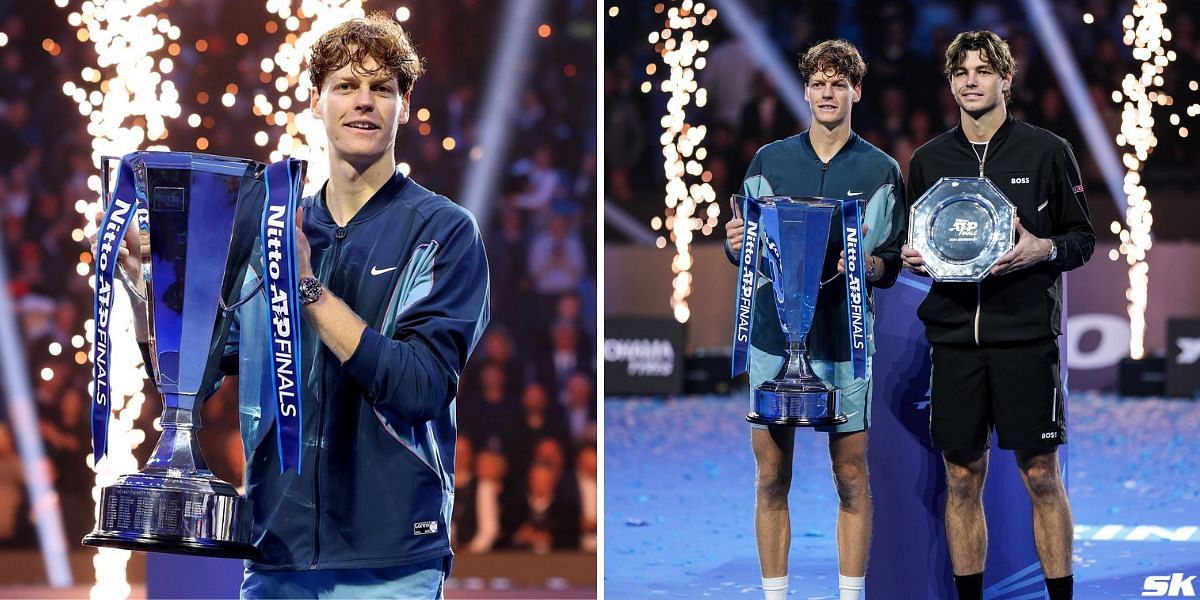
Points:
(179, 515)
(190, 546)
(796, 404)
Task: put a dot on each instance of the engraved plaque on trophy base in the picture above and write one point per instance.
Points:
(167, 514)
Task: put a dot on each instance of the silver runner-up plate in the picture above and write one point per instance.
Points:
(961, 226)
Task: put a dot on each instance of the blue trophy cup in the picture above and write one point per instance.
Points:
(795, 233)
(203, 214)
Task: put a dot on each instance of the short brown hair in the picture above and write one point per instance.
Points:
(376, 36)
(833, 56)
(992, 50)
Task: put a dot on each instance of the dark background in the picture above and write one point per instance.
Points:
(527, 398)
(905, 101)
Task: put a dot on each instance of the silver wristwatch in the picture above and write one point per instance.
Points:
(310, 290)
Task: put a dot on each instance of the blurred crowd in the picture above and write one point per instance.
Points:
(527, 402)
(906, 99)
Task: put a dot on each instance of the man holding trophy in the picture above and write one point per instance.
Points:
(993, 313)
(392, 284)
(822, 169)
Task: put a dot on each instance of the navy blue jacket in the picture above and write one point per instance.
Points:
(376, 485)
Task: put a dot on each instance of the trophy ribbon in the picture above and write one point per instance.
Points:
(117, 216)
(747, 286)
(283, 181)
(856, 297)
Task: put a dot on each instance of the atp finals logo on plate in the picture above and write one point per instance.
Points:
(966, 230)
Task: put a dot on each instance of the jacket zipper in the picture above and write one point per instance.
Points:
(979, 285)
(978, 305)
(982, 159)
(821, 187)
(317, 479)
(339, 235)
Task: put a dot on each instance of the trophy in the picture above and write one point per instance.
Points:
(203, 214)
(794, 234)
(961, 226)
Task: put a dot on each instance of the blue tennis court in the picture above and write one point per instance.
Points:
(679, 500)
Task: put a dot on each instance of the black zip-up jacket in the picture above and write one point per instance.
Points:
(1037, 171)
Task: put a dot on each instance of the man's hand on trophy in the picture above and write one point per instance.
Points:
(871, 258)
(733, 234)
(130, 263)
(1028, 251)
(303, 252)
(912, 260)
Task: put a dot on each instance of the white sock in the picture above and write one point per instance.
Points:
(851, 587)
(775, 588)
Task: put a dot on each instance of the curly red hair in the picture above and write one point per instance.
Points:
(833, 57)
(376, 36)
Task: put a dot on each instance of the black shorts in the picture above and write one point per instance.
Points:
(1016, 388)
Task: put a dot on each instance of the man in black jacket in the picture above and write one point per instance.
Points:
(995, 344)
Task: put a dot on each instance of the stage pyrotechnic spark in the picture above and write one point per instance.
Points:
(303, 136)
(127, 101)
(690, 200)
(1140, 92)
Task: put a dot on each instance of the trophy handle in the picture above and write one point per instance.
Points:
(130, 287)
(232, 307)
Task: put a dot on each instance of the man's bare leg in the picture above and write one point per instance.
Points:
(966, 529)
(848, 453)
(1052, 523)
(772, 525)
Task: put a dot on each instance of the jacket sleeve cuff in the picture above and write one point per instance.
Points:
(364, 363)
(1059, 261)
(891, 270)
(729, 253)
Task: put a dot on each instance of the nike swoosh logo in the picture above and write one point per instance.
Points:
(1043, 205)
(852, 414)
(378, 271)
(853, 194)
